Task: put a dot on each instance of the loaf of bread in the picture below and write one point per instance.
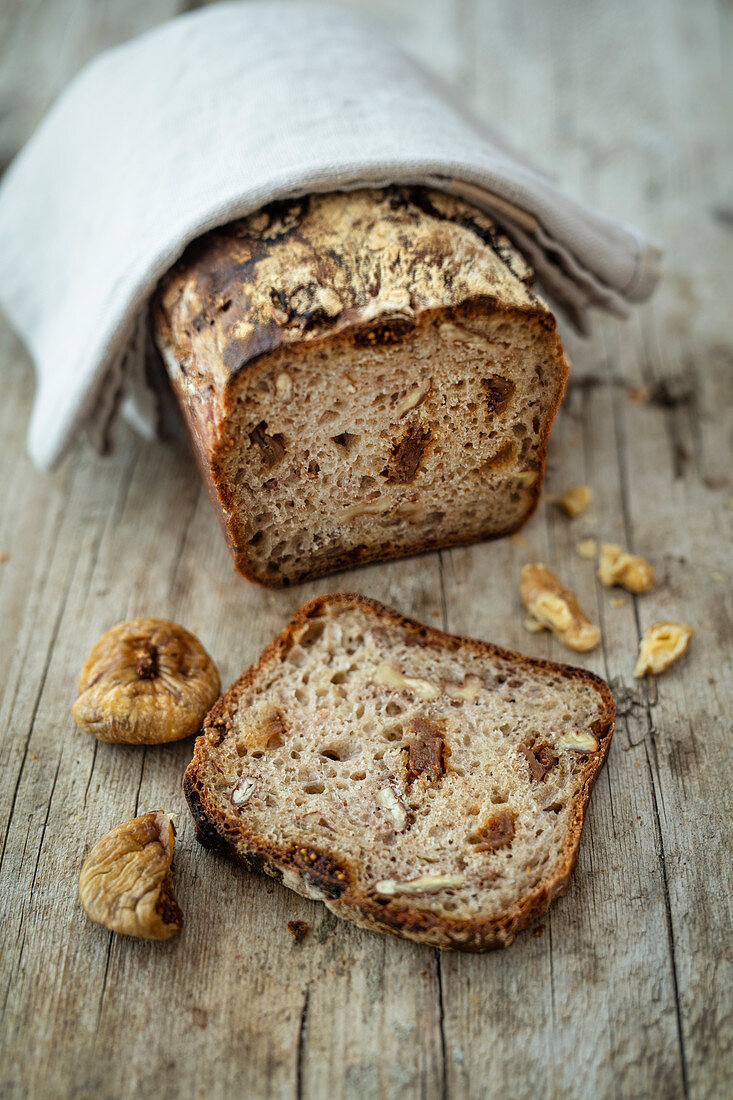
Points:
(364, 375)
(416, 782)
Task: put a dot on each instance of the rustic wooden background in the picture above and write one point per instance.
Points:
(624, 990)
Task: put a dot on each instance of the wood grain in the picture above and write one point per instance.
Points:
(625, 988)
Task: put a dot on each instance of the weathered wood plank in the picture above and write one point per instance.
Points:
(626, 991)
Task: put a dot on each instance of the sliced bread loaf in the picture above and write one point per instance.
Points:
(364, 375)
(416, 782)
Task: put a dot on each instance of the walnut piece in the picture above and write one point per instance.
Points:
(145, 682)
(469, 690)
(425, 884)
(367, 508)
(662, 644)
(411, 510)
(389, 676)
(574, 501)
(284, 387)
(413, 398)
(523, 478)
(126, 882)
(394, 806)
(579, 741)
(586, 548)
(243, 790)
(616, 566)
(557, 608)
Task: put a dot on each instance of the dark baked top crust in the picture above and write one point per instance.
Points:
(299, 270)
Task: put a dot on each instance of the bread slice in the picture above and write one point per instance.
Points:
(364, 375)
(416, 782)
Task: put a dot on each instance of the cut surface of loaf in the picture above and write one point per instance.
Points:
(416, 782)
(364, 375)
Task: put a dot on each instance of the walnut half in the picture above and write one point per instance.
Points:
(126, 882)
(555, 607)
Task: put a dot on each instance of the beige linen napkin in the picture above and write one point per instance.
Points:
(205, 119)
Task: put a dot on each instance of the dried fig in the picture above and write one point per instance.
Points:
(146, 682)
(126, 882)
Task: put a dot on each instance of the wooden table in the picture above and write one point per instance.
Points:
(624, 989)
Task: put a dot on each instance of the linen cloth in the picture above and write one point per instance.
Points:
(205, 119)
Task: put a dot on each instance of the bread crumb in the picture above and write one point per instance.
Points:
(719, 577)
(586, 548)
(518, 540)
(574, 501)
(298, 929)
(640, 394)
(538, 929)
(617, 601)
(4, 556)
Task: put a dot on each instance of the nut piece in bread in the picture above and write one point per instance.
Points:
(556, 608)
(364, 375)
(450, 819)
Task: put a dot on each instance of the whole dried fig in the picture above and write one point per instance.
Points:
(126, 882)
(146, 682)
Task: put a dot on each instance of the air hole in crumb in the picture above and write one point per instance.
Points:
(554, 808)
(314, 788)
(338, 678)
(393, 709)
(498, 797)
(312, 633)
(392, 733)
(358, 775)
(345, 439)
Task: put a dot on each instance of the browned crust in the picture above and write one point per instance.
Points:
(257, 853)
(209, 450)
(206, 401)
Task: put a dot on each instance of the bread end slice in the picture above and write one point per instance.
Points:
(418, 783)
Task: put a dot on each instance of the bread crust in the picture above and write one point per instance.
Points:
(342, 309)
(225, 833)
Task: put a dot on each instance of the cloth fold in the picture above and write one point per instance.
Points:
(207, 118)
